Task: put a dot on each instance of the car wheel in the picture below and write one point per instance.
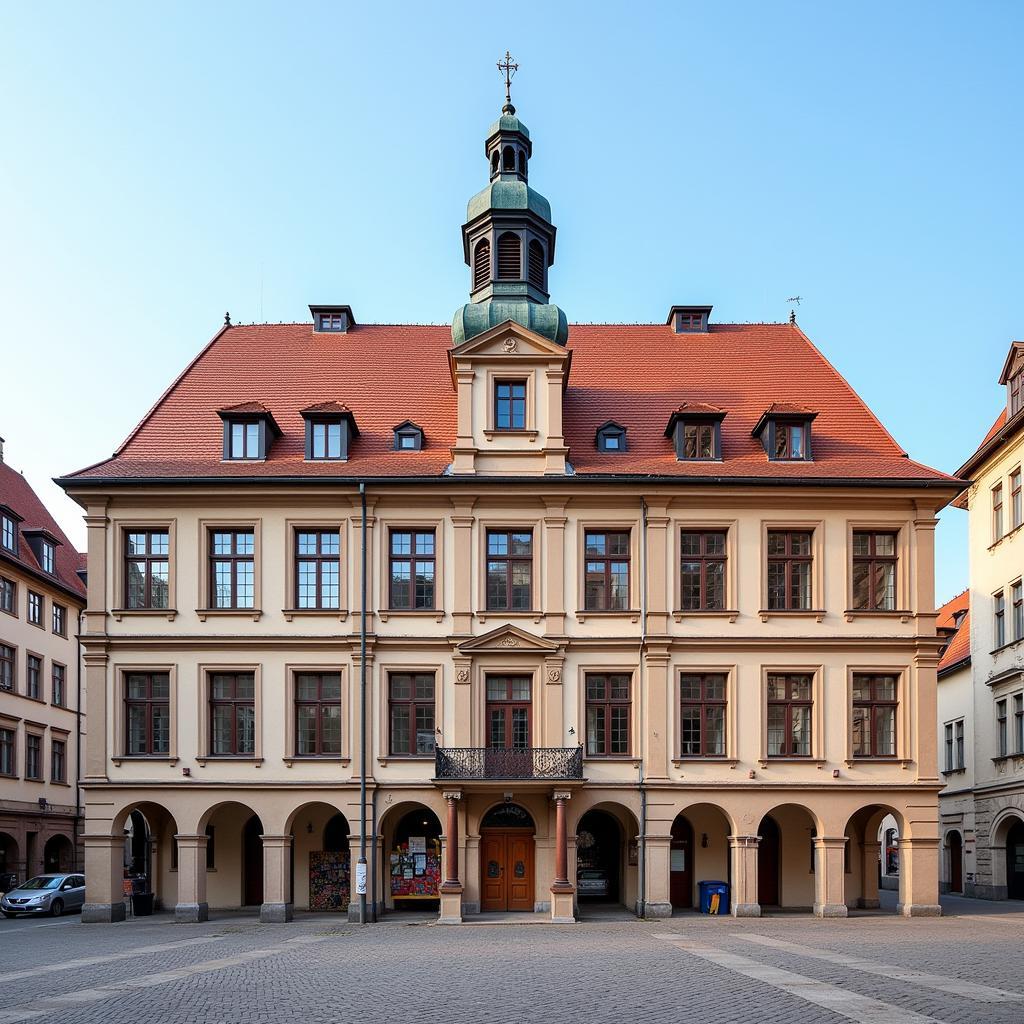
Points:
(56, 908)
(9, 915)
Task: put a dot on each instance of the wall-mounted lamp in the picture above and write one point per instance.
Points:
(187, 772)
(750, 774)
(835, 773)
(309, 827)
(704, 840)
(572, 731)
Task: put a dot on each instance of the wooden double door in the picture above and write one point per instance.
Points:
(506, 869)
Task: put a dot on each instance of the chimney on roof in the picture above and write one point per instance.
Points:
(332, 319)
(689, 319)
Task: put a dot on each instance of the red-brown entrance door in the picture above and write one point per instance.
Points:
(768, 864)
(681, 864)
(506, 870)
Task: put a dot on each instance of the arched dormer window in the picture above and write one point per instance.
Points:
(522, 162)
(611, 437)
(536, 263)
(508, 159)
(481, 263)
(509, 262)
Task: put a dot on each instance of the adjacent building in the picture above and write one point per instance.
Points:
(42, 594)
(598, 612)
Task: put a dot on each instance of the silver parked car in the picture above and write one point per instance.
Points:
(45, 894)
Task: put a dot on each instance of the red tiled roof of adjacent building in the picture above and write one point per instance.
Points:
(959, 649)
(634, 374)
(955, 606)
(17, 494)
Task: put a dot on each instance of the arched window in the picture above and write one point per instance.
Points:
(494, 162)
(509, 268)
(509, 159)
(536, 257)
(481, 263)
(522, 162)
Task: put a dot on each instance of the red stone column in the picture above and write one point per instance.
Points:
(451, 850)
(562, 890)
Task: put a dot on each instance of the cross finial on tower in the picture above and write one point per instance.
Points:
(508, 68)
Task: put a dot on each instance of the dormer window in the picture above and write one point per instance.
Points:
(330, 428)
(332, 319)
(689, 319)
(408, 437)
(329, 322)
(1016, 388)
(696, 430)
(49, 559)
(249, 430)
(8, 532)
(510, 405)
(611, 437)
(44, 548)
(785, 432)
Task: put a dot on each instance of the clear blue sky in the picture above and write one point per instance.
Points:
(164, 163)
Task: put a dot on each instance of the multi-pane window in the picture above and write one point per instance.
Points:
(6, 667)
(49, 557)
(8, 533)
(954, 745)
(35, 608)
(232, 568)
(8, 765)
(702, 714)
(317, 569)
(509, 570)
(1017, 603)
(1017, 392)
(874, 571)
(58, 615)
(58, 761)
(147, 708)
(318, 713)
(789, 569)
(232, 713)
(58, 680)
(8, 593)
(1001, 738)
(997, 512)
(508, 712)
(1016, 505)
(325, 439)
(606, 583)
(790, 441)
(245, 440)
(146, 568)
(874, 716)
(412, 570)
(608, 709)
(33, 676)
(699, 440)
(330, 321)
(1018, 723)
(999, 618)
(411, 713)
(510, 405)
(789, 715)
(702, 568)
(33, 756)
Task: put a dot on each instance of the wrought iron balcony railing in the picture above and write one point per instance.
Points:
(497, 763)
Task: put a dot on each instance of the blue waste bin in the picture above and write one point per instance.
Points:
(709, 905)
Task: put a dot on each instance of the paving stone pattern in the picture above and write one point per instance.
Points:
(690, 968)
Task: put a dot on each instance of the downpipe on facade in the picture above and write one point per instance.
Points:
(642, 838)
(361, 865)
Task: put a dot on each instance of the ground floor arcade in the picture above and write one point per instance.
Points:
(37, 839)
(530, 847)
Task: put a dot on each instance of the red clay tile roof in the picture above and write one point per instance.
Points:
(256, 407)
(326, 407)
(19, 497)
(959, 647)
(634, 374)
(701, 408)
(948, 612)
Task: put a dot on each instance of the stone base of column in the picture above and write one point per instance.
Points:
(102, 913)
(830, 910)
(655, 910)
(275, 913)
(863, 904)
(746, 910)
(191, 913)
(451, 906)
(561, 906)
(919, 909)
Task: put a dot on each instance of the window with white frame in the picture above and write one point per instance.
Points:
(954, 735)
(1001, 736)
(999, 618)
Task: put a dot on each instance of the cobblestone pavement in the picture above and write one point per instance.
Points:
(877, 969)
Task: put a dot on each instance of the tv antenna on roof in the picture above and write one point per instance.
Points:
(793, 300)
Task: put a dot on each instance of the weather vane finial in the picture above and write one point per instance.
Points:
(508, 68)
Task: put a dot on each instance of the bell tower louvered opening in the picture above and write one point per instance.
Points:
(509, 263)
(536, 263)
(481, 263)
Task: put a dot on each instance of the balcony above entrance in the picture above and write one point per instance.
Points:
(540, 764)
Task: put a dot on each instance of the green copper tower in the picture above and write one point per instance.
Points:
(509, 241)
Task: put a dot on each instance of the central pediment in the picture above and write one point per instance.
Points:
(510, 340)
(506, 639)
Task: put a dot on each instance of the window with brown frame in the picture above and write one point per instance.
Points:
(790, 441)
(317, 569)
(7, 663)
(8, 753)
(1016, 504)
(790, 703)
(232, 569)
(789, 570)
(702, 714)
(58, 675)
(509, 710)
(146, 567)
(1016, 387)
(35, 608)
(510, 405)
(34, 757)
(58, 761)
(699, 441)
(702, 570)
(412, 569)
(606, 581)
(147, 710)
(955, 745)
(874, 715)
(232, 714)
(997, 512)
(58, 615)
(411, 713)
(608, 710)
(318, 714)
(8, 596)
(509, 570)
(874, 571)
(33, 676)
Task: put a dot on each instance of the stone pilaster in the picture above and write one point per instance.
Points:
(871, 850)
(829, 876)
(919, 878)
(104, 879)
(277, 876)
(743, 895)
(191, 905)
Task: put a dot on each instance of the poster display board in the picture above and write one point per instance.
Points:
(415, 869)
(329, 884)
